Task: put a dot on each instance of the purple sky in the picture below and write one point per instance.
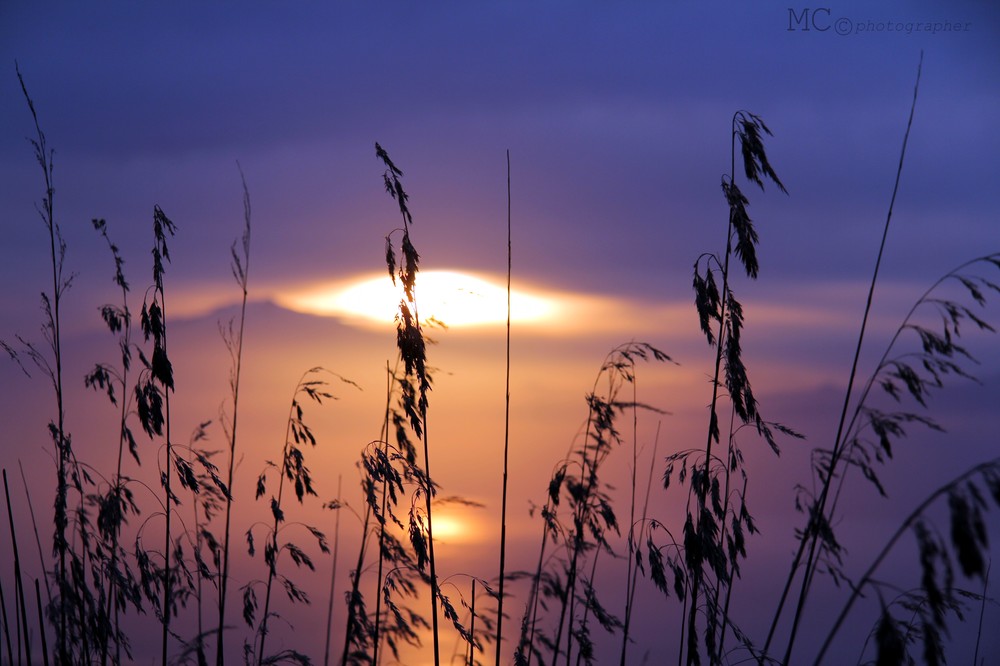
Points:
(617, 118)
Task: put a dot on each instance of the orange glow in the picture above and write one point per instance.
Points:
(452, 297)
(449, 528)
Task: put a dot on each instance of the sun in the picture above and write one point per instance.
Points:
(451, 529)
(452, 297)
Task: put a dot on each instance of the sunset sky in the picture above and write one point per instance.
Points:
(617, 120)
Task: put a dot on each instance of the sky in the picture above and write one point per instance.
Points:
(617, 120)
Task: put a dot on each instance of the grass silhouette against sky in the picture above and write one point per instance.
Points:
(616, 122)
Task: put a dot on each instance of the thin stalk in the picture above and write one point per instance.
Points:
(241, 271)
(599, 425)
(6, 624)
(199, 606)
(506, 441)
(114, 544)
(569, 594)
(683, 636)
(125, 342)
(167, 581)
(167, 578)
(18, 580)
(41, 625)
(472, 626)
(982, 611)
(428, 494)
(272, 567)
(350, 624)
(533, 599)
(840, 441)
(352, 608)
(44, 156)
(81, 595)
(333, 575)
(729, 594)
(384, 438)
(630, 597)
(154, 324)
(713, 419)
(435, 590)
(34, 526)
(586, 609)
(429, 489)
(722, 534)
(413, 354)
(629, 569)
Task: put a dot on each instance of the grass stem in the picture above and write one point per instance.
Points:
(333, 574)
(811, 535)
(506, 444)
(241, 271)
(21, 606)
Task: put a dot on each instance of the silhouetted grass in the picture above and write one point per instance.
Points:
(294, 471)
(233, 337)
(103, 574)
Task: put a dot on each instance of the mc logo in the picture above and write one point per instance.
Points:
(807, 20)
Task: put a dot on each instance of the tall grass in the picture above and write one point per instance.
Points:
(579, 537)
(294, 471)
(51, 365)
(233, 337)
(119, 502)
(415, 384)
(506, 452)
(814, 530)
(705, 536)
(161, 380)
(99, 586)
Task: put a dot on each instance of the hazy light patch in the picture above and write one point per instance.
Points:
(452, 297)
(478, 302)
(450, 527)
(455, 523)
(192, 301)
(798, 317)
